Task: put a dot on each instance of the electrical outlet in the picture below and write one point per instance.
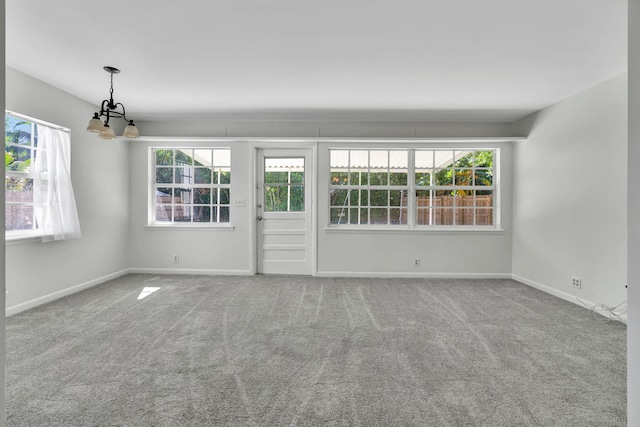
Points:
(576, 282)
(176, 258)
(416, 262)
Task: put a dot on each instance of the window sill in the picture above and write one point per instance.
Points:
(409, 230)
(22, 239)
(193, 227)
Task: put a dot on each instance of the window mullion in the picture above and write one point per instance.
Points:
(411, 189)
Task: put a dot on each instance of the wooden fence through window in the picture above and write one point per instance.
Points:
(442, 211)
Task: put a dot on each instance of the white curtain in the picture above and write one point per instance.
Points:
(54, 202)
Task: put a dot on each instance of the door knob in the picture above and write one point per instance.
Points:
(259, 218)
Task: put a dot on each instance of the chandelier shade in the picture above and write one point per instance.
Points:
(109, 109)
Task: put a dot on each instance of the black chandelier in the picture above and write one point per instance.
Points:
(110, 109)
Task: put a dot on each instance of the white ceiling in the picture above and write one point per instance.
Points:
(482, 60)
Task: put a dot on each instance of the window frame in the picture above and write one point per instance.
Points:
(412, 188)
(35, 231)
(217, 186)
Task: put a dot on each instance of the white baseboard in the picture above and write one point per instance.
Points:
(59, 294)
(202, 271)
(565, 296)
(405, 274)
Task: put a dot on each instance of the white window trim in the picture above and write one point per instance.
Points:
(411, 187)
(152, 224)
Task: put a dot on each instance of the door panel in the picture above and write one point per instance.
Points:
(284, 211)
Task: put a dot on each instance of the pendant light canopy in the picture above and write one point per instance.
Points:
(110, 109)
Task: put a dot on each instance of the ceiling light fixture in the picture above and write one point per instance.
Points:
(110, 109)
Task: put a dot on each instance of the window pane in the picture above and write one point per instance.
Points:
(224, 196)
(443, 177)
(184, 175)
(359, 159)
(378, 216)
(423, 216)
(225, 176)
(297, 177)
(339, 177)
(184, 157)
(201, 196)
(379, 177)
(338, 216)
(275, 198)
(483, 177)
(443, 216)
(163, 214)
(17, 159)
(297, 198)
(379, 159)
(182, 195)
(339, 159)
(398, 216)
(202, 176)
(464, 216)
(163, 196)
(464, 158)
(18, 190)
(423, 177)
(17, 131)
(423, 198)
(202, 214)
(18, 217)
(338, 197)
(182, 213)
(164, 175)
(353, 216)
(399, 159)
(398, 178)
(164, 157)
(379, 198)
(464, 176)
(202, 157)
(354, 198)
(484, 159)
(484, 216)
(221, 158)
(364, 216)
(424, 160)
(224, 214)
(464, 198)
(364, 197)
(397, 198)
(276, 177)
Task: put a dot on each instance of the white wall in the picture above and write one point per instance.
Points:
(570, 195)
(339, 253)
(633, 331)
(100, 176)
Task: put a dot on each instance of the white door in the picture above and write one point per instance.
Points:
(284, 201)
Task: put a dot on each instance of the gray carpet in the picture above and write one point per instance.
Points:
(302, 351)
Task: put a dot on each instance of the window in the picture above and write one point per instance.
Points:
(21, 145)
(369, 186)
(191, 185)
(283, 184)
(448, 188)
(38, 192)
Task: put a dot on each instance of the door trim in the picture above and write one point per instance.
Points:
(312, 147)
